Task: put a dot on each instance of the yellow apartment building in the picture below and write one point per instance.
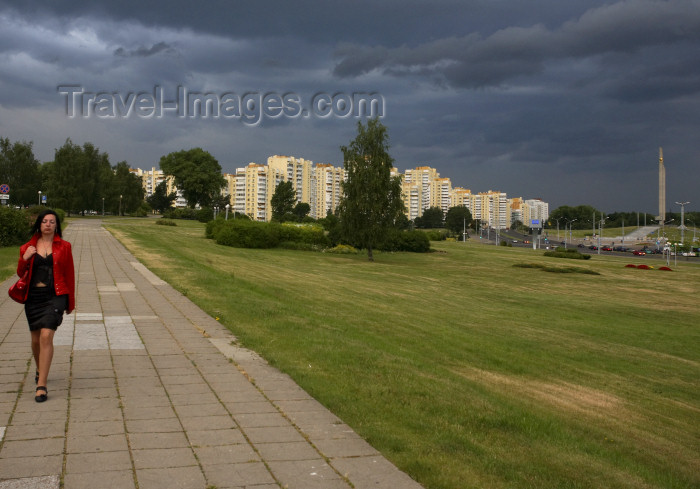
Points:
(255, 185)
(441, 194)
(328, 190)
(298, 171)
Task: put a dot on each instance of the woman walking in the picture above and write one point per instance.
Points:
(49, 260)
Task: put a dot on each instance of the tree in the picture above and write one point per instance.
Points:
(78, 178)
(161, 200)
(456, 219)
(197, 174)
(301, 210)
(371, 203)
(220, 201)
(581, 216)
(19, 169)
(431, 218)
(283, 201)
(127, 189)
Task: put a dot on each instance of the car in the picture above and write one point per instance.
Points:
(606, 248)
(639, 252)
(581, 246)
(593, 247)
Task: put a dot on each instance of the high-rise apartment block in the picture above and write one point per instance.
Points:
(150, 179)
(251, 189)
(328, 179)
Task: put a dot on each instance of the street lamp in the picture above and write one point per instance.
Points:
(600, 231)
(682, 204)
(557, 219)
(120, 205)
(39, 197)
(103, 207)
(568, 223)
(694, 225)
(227, 208)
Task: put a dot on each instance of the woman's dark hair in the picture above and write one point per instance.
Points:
(36, 229)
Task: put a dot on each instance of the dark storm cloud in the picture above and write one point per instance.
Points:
(474, 61)
(553, 99)
(143, 51)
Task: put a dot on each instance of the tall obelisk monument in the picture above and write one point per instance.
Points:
(662, 187)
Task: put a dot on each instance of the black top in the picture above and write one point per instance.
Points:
(43, 270)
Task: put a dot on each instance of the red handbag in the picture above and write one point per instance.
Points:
(20, 290)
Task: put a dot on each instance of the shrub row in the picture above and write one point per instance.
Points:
(252, 234)
(243, 233)
(16, 224)
(202, 215)
(571, 253)
(415, 241)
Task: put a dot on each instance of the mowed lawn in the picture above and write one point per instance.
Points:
(463, 369)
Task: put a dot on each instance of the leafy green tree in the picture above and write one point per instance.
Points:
(283, 201)
(127, 189)
(220, 201)
(456, 218)
(581, 216)
(19, 169)
(301, 210)
(78, 178)
(197, 174)
(371, 203)
(431, 218)
(161, 200)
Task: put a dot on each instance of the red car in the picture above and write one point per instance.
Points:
(639, 252)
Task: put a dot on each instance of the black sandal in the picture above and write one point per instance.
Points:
(41, 397)
(36, 377)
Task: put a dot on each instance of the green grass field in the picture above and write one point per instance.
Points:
(463, 367)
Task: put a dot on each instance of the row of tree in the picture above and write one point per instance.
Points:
(584, 217)
(79, 178)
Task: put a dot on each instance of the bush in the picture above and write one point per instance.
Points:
(248, 234)
(205, 214)
(342, 249)
(213, 227)
(185, 213)
(307, 234)
(15, 225)
(571, 253)
(415, 241)
(435, 235)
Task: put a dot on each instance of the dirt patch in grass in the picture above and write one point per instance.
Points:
(565, 396)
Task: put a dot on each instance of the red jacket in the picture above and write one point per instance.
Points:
(63, 269)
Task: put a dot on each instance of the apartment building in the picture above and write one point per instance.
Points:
(328, 190)
(255, 185)
(251, 189)
(441, 194)
(536, 210)
(298, 171)
(150, 179)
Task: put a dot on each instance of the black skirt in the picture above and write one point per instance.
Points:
(44, 309)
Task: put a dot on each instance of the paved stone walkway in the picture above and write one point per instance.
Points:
(147, 391)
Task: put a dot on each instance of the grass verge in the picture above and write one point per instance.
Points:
(461, 368)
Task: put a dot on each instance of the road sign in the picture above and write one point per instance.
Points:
(4, 189)
(4, 196)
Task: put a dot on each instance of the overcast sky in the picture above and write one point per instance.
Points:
(559, 100)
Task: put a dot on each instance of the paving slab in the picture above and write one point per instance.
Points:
(147, 391)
